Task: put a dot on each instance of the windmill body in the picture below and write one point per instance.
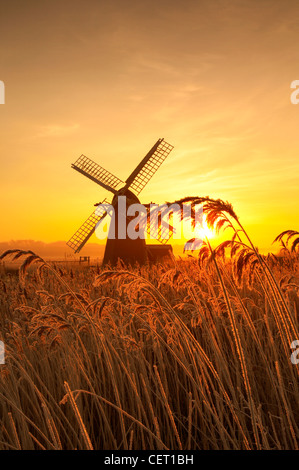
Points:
(118, 246)
(129, 251)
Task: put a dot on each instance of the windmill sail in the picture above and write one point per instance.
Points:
(83, 234)
(148, 166)
(161, 231)
(162, 235)
(97, 174)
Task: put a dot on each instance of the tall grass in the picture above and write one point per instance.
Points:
(190, 355)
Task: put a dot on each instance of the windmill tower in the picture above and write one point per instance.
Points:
(130, 251)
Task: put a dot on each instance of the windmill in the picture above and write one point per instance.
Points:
(126, 249)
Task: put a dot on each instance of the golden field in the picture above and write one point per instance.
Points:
(192, 354)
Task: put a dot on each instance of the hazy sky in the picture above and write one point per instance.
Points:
(108, 78)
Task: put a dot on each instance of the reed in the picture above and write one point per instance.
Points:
(193, 355)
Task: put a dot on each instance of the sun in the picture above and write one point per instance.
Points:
(203, 231)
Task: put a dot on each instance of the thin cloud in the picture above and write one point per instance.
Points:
(57, 131)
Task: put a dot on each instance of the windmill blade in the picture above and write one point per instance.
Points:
(148, 166)
(83, 234)
(162, 233)
(97, 173)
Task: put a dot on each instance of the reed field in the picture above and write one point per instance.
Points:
(191, 354)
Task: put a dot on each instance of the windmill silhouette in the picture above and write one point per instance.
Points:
(130, 251)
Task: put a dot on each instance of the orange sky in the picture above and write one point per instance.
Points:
(107, 79)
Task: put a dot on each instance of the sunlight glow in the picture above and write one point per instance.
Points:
(204, 231)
